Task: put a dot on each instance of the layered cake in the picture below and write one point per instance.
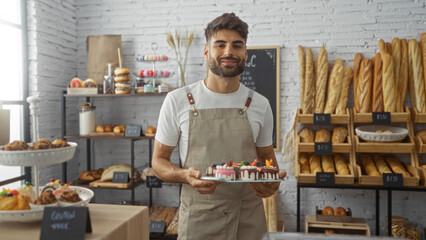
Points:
(244, 171)
(226, 172)
(268, 171)
(249, 173)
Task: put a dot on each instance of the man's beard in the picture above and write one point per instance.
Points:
(227, 72)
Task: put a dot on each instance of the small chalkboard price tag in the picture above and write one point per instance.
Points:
(324, 148)
(157, 227)
(65, 223)
(381, 118)
(322, 119)
(120, 177)
(325, 179)
(392, 180)
(153, 182)
(133, 131)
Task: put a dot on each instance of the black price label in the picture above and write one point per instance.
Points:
(120, 177)
(325, 179)
(157, 227)
(133, 131)
(381, 117)
(322, 119)
(324, 148)
(70, 223)
(153, 182)
(392, 180)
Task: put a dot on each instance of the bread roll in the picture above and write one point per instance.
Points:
(403, 72)
(306, 135)
(305, 167)
(388, 81)
(327, 211)
(315, 163)
(382, 46)
(377, 85)
(368, 164)
(322, 135)
(396, 56)
(334, 86)
(339, 211)
(417, 74)
(396, 166)
(381, 164)
(309, 91)
(339, 134)
(357, 64)
(321, 87)
(423, 48)
(343, 101)
(341, 165)
(327, 164)
(365, 86)
(302, 64)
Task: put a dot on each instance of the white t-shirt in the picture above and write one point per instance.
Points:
(174, 114)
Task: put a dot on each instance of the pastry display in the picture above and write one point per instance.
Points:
(244, 171)
(15, 145)
(121, 78)
(78, 83)
(40, 144)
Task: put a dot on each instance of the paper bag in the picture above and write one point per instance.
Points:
(101, 50)
(4, 126)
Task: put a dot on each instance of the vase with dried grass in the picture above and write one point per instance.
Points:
(180, 43)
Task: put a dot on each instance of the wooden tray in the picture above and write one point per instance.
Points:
(332, 218)
(403, 147)
(334, 118)
(357, 226)
(368, 117)
(106, 134)
(417, 117)
(98, 183)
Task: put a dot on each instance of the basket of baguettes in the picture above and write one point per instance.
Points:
(371, 167)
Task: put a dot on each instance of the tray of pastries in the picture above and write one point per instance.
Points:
(42, 152)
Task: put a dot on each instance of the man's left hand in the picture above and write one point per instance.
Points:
(264, 189)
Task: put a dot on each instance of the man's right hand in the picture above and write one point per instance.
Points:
(193, 176)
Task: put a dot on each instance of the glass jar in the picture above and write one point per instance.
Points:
(87, 118)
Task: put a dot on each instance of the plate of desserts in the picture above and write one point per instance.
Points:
(243, 172)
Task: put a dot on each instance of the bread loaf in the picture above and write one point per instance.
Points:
(381, 164)
(368, 164)
(388, 81)
(327, 211)
(357, 64)
(302, 64)
(403, 72)
(365, 86)
(305, 167)
(327, 163)
(309, 92)
(108, 173)
(343, 101)
(172, 229)
(396, 166)
(334, 86)
(322, 135)
(341, 165)
(423, 48)
(382, 46)
(389, 48)
(315, 163)
(339, 211)
(321, 87)
(377, 85)
(339, 134)
(306, 135)
(396, 56)
(417, 74)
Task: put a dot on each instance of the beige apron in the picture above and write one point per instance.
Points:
(232, 211)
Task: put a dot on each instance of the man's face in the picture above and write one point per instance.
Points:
(226, 54)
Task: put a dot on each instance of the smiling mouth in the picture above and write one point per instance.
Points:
(229, 62)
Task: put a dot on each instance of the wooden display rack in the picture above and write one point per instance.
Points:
(358, 226)
(417, 117)
(397, 117)
(334, 118)
(403, 147)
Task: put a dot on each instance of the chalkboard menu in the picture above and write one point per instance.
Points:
(262, 74)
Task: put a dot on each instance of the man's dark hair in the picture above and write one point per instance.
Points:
(228, 21)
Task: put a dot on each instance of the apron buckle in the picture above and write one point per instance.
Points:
(195, 112)
(242, 111)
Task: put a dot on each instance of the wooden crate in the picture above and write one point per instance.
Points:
(358, 226)
(337, 147)
(420, 145)
(417, 117)
(403, 147)
(332, 218)
(334, 118)
(368, 117)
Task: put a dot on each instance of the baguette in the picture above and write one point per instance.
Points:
(357, 63)
(368, 164)
(396, 56)
(340, 133)
(388, 83)
(417, 74)
(341, 165)
(302, 64)
(377, 85)
(309, 91)
(396, 166)
(423, 47)
(327, 164)
(365, 86)
(389, 48)
(321, 88)
(381, 164)
(334, 86)
(403, 72)
(315, 163)
(304, 163)
(343, 101)
(382, 46)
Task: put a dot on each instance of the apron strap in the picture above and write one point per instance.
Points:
(248, 102)
(191, 101)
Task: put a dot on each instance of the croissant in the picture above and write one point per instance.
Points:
(341, 165)
(315, 163)
(327, 164)
(381, 164)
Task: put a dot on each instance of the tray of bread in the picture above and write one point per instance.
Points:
(103, 178)
(381, 133)
(22, 204)
(243, 172)
(42, 152)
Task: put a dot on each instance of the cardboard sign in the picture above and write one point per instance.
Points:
(322, 119)
(381, 117)
(133, 131)
(120, 177)
(393, 180)
(153, 182)
(325, 179)
(157, 227)
(65, 223)
(324, 148)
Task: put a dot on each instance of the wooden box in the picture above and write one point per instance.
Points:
(420, 145)
(334, 118)
(407, 146)
(358, 226)
(330, 218)
(368, 117)
(337, 147)
(417, 117)
(82, 91)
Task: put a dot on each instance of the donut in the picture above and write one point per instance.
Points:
(122, 91)
(89, 83)
(122, 85)
(121, 79)
(76, 83)
(121, 71)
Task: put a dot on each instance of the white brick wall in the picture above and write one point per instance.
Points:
(58, 31)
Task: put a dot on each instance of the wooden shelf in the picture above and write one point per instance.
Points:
(334, 119)
(116, 95)
(108, 137)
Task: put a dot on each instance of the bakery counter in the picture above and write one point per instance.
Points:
(109, 222)
(109, 137)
